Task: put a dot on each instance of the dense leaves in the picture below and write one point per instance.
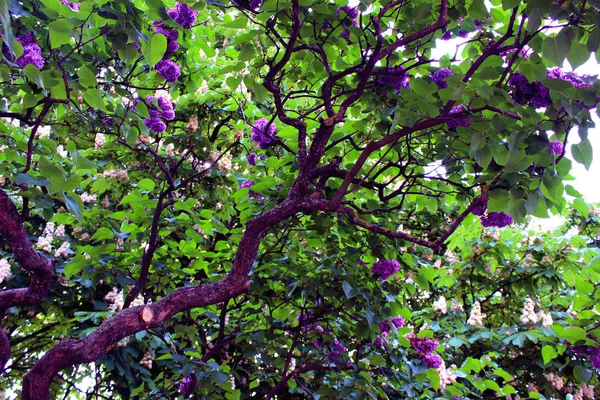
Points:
(296, 199)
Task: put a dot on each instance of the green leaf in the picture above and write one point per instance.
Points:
(583, 153)
(578, 55)
(349, 290)
(86, 77)
(556, 48)
(573, 334)
(154, 49)
(93, 97)
(478, 9)
(60, 32)
(80, 162)
(103, 234)
(509, 4)
(548, 354)
(534, 20)
(74, 205)
(35, 76)
(582, 374)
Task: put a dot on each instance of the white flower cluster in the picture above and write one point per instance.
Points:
(5, 271)
(529, 315)
(88, 198)
(2, 179)
(547, 260)
(145, 139)
(447, 376)
(440, 305)
(63, 250)
(105, 202)
(451, 257)
(493, 234)
(45, 241)
(192, 124)
(99, 140)
(528, 260)
(224, 163)
(476, 317)
(556, 381)
(43, 131)
(456, 306)
(116, 298)
(60, 150)
(146, 361)
(170, 149)
(584, 391)
(117, 174)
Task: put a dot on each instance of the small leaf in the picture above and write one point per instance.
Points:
(74, 205)
(155, 48)
(86, 77)
(548, 354)
(93, 97)
(583, 153)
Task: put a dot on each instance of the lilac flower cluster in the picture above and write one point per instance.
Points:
(345, 35)
(255, 5)
(252, 158)
(425, 348)
(32, 52)
(556, 147)
(439, 77)
(385, 329)
(249, 184)
(183, 14)
(336, 354)
(385, 268)
(534, 94)
(351, 12)
(480, 205)
(72, 6)
(164, 111)
(447, 36)
(577, 81)
(593, 353)
(168, 69)
(395, 78)
(171, 34)
(187, 385)
(458, 120)
(498, 219)
(264, 133)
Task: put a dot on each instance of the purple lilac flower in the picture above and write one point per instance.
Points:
(183, 14)
(384, 326)
(168, 69)
(423, 345)
(481, 205)
(463, 34)
(264, 133)
(557, 73)
(458, 120)
(534, 94)
(155, 124)
(351, 12)
(302, 318)
(361, 263)
(345, 35)
(447, 36)
(165, 109)
(385, 268)
(395, 78)
(246, 184)
(556, 147)
(32, 52)
(380, 341)
(498, 219)
(188, 384)
(255, 4)
(252, 158)
(336, 355)
(72, 6)
(171, 34)
(326, 26)
(432, 360)
(439, 77)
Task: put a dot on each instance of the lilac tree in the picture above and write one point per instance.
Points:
(276, 199)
